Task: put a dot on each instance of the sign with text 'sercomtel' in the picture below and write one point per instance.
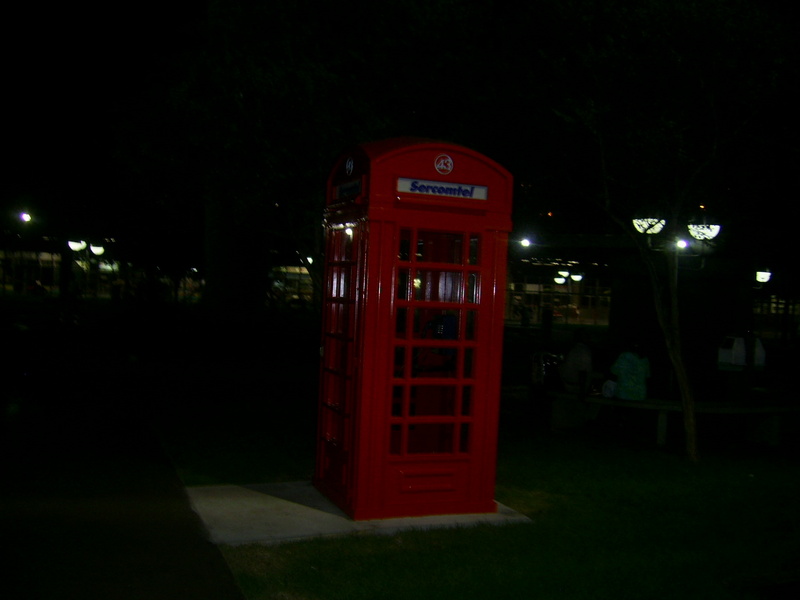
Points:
(442, 188)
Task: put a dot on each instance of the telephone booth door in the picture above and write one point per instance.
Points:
(412, 332)
(339, 361)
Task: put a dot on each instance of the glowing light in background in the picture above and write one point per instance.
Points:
(649, 225)
(763, 276)
(702, 231)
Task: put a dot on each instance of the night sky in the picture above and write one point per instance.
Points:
(72, 74)
(76, 76)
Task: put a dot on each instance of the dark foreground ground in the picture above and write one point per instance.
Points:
(92, 506)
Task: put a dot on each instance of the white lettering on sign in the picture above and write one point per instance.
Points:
(441, 188)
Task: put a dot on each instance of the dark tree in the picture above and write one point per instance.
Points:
(269, 95)
(603, 107)
(655, 101)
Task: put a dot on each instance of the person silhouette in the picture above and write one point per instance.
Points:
(632, 370)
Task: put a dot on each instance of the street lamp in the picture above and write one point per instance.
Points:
(83, 257)
(701, 228)
(649, 225)
(79, 245)
(563, 275)
(703, 231)
(763, 276)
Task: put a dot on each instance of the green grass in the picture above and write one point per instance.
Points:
(607, 522)
(612, 517)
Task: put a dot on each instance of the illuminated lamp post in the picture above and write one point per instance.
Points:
(78, 248)
(83, 258)
(21, 274)
(702, 230)
(562, 277)
(649, 225)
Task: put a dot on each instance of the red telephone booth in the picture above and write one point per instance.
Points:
(416, 238)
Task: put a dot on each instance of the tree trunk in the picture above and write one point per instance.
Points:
(673, 337)
(666, 302)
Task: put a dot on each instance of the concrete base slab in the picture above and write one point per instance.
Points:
(281, 512)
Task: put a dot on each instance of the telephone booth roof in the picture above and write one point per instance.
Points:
(419, 173)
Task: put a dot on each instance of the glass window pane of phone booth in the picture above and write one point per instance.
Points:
(436, 332)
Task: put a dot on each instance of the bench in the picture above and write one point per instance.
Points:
(755, 406)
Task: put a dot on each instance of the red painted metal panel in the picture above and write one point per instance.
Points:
(416, 238)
